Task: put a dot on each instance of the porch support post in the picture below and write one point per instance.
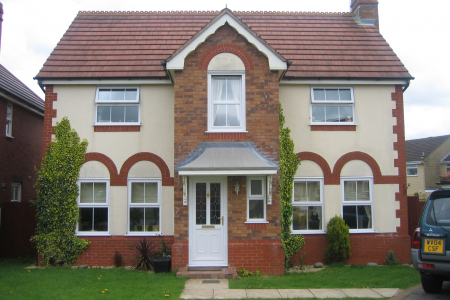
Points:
(269, 189)
(184, 190)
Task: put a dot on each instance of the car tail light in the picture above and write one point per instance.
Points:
(416, 241)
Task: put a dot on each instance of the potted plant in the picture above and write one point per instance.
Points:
(162, 262)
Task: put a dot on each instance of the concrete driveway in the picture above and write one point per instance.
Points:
(421, 295)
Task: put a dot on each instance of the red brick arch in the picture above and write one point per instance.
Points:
(335, 176)
(226, 48)
(107, 162)
(120, 179)
(147, 156)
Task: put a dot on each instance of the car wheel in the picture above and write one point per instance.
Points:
(431, 285)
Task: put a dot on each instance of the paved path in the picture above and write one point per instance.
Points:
(219, 289)
(419, 293)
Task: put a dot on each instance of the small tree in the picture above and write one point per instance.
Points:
(338, 246)
(57, 211)
(289, 162)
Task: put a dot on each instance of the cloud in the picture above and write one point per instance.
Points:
(424, 121)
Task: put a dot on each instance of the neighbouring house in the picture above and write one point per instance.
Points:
(22, 123)
(181, 111)
(426, 160)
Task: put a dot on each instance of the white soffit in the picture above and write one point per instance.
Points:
(177, 62)
(343, 81)
(107, 81)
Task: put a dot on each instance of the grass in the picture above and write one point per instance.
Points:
(336, 277)
(64, 283)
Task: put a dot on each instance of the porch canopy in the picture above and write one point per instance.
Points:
(226, 159)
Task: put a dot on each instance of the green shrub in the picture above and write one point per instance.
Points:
(338, 244)
(391, 260)
(57, 211)
(289, 162)
(246, 273)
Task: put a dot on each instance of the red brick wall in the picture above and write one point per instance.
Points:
(20, 154)
(102, 249)
(368, 247)
(262, 100)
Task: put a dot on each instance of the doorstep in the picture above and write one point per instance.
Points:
(206, 273)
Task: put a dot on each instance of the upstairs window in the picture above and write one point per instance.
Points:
(9, 120)
(226, 101)
(117, 106)
(332, 106)
(16, 192)
(411, 170)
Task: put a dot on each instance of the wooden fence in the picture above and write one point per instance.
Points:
(17, 225)
(414, 211)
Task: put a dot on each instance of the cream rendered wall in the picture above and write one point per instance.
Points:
(373, 135)
(156, 136)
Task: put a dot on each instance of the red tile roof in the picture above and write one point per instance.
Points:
(133, 44)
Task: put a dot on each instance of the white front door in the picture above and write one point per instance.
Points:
(208, 236)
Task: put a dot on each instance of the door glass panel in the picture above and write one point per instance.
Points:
(215, 203)
(200, 203)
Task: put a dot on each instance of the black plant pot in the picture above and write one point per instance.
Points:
(162, 264)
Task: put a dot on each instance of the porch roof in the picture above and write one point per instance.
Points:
(226, 159)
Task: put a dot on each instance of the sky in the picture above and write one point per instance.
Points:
(417, 31)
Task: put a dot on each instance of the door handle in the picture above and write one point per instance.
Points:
(222, 220)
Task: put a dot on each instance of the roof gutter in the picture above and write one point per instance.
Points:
(40, 84)
(164, 64)
(407, 85)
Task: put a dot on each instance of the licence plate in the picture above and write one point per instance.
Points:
(433, 246)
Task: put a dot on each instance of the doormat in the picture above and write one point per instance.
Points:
(205, 269)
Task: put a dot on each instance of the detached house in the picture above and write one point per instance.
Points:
(181, 111)
(426, 160)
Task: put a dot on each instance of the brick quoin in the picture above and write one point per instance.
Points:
(117, 179)
(369, 247)
(49, 114)
(262, 112)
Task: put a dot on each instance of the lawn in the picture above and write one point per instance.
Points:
(336, 277)
(64, 283)
(119, 283)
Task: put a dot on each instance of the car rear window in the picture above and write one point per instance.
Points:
(439, 210)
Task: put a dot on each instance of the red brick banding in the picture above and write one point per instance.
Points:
(333, 127)
(107, 162)
(232, 136)
(116, 128)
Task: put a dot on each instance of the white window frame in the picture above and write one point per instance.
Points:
(307, 203)
(8, 127)
(16, 197)
(412, 167)
(262, 197)
(318, 103)
(448, 168)
(112, 103)
(94, 205)
(211, 127)
(144, 205)
(359, 203)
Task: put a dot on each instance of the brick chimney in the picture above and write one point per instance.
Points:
(365, 11)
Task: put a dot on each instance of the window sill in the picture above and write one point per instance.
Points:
(257, 222)
(362, 231)
(412, 175)
(143, 233)
(9, 137)
(93, 234)
(333, 127)
(295, 232)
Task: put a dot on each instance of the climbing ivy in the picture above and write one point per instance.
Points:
(289, 162)
(56, 204)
